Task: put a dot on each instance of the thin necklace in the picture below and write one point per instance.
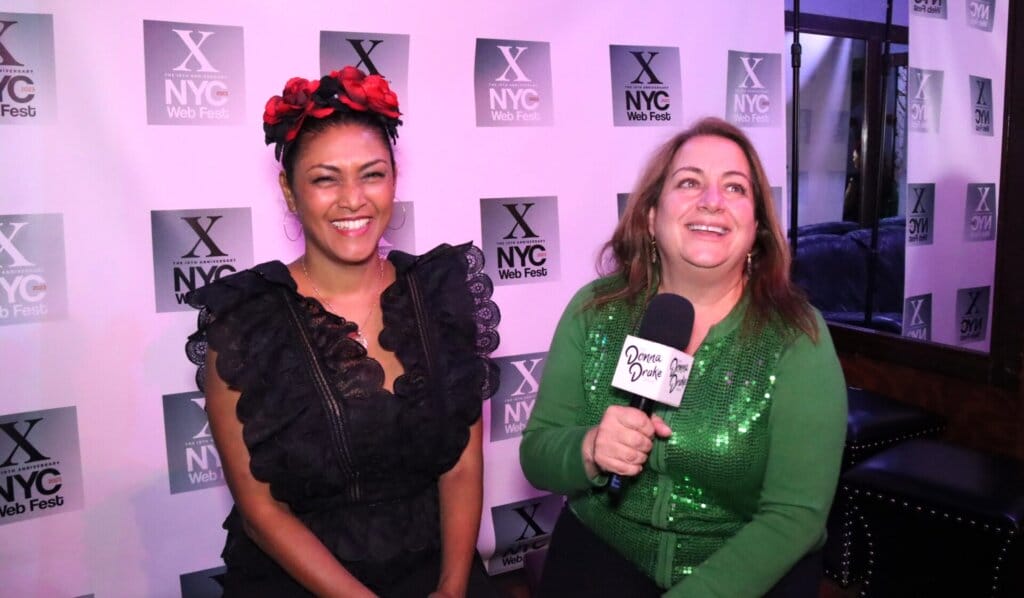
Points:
(358, 334)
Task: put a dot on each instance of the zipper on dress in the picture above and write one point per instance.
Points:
(333, 410)
(417, 302)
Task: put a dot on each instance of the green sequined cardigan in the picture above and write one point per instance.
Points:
(742, 488)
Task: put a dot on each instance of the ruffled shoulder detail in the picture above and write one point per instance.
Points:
(243, 317)
(486, 314)
(468, 258)
(454, 343)
(455, 270)
(223, 301)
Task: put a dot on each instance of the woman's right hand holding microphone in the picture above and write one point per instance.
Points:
(621, 442)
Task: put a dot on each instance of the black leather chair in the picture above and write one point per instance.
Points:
(874, 424)
(939, 520)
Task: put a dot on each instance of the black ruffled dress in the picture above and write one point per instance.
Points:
(354, 462)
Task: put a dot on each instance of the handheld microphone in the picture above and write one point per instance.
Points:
(652, 366)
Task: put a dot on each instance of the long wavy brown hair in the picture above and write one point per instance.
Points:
(626, 258)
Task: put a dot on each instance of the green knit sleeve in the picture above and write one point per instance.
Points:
(551, 449)
(807, 428)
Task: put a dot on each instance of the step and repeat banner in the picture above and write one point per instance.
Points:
(133, 171)
(955, 92)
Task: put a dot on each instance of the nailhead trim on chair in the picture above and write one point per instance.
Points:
(856, 448)
(1010, 532)
(845, 574)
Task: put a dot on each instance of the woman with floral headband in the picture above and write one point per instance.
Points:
(344, 390)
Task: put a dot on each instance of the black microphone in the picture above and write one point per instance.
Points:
(668, 321)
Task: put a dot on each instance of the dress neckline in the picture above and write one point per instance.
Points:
(277, 272)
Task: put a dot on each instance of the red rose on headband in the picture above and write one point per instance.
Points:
(351, 80)
(379, 96)
(366, 92)
(347, 89)
(298, 90)
(293, 103)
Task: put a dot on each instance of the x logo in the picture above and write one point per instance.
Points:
(205, 432)
(983, 192)
(520, 221)
(6, 58)
(973, 307)
(21, 441)
(915, 318)
(645, 68)
(7, 246)
(531, 523)
(204, 236)
(919, 200)
(526, 367)
(922, 80)
(364, 54)
(982, 87)
(749, 65)
(194, 51)
(513, 63)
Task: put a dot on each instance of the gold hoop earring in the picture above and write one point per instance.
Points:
(654, 251)
(284, 225)
(404, 216)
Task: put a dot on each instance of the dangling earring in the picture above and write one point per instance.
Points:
(750, 263)
(284, 225)
(654, 251)
(404, 215)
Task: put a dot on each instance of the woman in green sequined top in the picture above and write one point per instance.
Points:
(729, 493)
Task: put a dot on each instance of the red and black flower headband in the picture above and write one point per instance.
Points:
(349, 89)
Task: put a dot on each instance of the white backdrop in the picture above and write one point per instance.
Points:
(91, 157)
(956, 89)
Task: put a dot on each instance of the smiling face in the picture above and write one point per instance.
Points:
(704, 221)
(343, 192)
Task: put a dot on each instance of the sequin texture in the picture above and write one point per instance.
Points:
(717, 449)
